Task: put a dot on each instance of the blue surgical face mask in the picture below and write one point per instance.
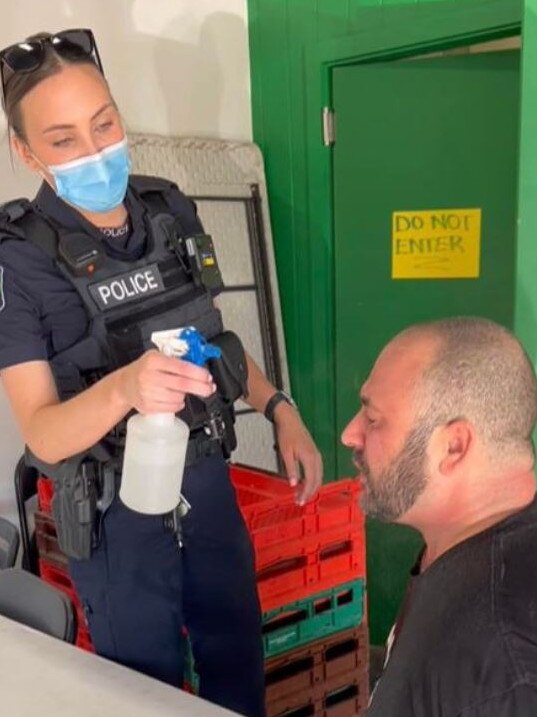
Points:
(97, 182)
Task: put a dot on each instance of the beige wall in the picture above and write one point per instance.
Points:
(175, 67)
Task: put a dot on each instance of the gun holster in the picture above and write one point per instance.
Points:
(84, 488)
(230, 372)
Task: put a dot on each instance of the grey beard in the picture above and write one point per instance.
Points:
(395, 490)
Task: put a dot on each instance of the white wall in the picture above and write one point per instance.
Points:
(174, 66)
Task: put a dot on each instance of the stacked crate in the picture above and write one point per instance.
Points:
(53, 562)
(310, 565)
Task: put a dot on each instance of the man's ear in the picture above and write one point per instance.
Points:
(456, 440)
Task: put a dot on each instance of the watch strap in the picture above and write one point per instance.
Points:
(274, 400)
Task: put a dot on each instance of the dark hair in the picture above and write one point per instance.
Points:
(18, 84)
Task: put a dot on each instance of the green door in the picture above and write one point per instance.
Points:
(421, 147)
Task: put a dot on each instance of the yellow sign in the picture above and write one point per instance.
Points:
(436, 244)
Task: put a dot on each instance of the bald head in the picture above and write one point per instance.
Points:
(476, 370)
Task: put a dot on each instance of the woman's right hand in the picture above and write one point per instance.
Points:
(155, 383)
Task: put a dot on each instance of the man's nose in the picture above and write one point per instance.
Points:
(353, 435)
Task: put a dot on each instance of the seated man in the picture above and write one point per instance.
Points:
(443, 443)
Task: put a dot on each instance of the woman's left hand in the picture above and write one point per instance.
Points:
(299, 453)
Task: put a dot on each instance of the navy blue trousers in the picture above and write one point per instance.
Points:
(139, 589)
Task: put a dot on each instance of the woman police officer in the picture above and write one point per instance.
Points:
(137, 587)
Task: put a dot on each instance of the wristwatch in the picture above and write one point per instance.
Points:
(277, 398)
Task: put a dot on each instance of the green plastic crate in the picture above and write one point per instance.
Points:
(302, 621)
(324, 613)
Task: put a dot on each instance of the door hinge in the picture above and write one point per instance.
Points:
(329, 127)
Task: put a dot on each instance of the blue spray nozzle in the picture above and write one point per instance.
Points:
(187, 344)
(199, 349)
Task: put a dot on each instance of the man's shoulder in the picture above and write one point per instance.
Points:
(470, 629)
(515, 589)
(515, 558)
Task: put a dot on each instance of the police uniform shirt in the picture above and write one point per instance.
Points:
(40, 312)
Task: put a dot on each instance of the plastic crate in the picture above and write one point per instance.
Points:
(322, 614)
(45, 491)
(83, 640)
(300, 550)
(306, 669)
(321, 680)
(267, 503)
(47, 540)
(326, 561)
(58, 577)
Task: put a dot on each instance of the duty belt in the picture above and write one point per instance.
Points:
(201, 447)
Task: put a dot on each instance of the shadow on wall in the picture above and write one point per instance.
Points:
(199, 94)
(181, 71)
(198, 87)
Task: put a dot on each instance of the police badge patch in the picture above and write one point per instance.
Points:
(127, 287)
(2, 299)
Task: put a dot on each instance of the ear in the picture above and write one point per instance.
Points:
(456, 441)
(25, 155)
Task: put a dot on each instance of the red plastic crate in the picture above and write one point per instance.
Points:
(45, 491)
(324, 545)
(83, 640)
(296, 578)
(46, 535)
(59, 578)
(300, 550)
(267, 503)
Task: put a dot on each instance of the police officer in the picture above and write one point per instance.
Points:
(138, 587)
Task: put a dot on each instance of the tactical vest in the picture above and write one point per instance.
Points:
(125, 300)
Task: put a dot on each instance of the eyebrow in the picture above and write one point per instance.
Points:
(367, 402)
(56, 127)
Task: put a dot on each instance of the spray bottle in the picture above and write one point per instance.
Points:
(156, 443)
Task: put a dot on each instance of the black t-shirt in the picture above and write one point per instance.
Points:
(40, 312)
(467, 639)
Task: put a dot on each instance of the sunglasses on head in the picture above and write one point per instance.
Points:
(28, 56)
